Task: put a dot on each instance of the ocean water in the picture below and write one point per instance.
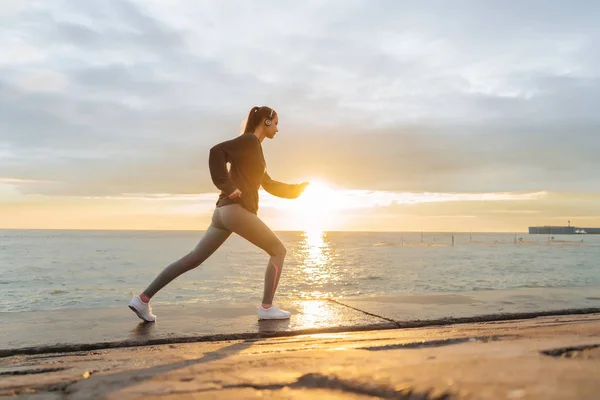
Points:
(86, 269)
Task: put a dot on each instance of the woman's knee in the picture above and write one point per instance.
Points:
(278, 250)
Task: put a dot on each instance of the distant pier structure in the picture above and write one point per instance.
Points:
(562, 230)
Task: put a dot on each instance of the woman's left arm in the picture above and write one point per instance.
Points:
(280, 189)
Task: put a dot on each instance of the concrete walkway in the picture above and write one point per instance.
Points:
(92, 329)
(542, 358)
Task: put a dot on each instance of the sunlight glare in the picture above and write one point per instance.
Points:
(315, 312)
(317, 207)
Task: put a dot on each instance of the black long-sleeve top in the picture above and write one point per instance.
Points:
(247, 173)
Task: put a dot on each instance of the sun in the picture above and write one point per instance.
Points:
(317, 208)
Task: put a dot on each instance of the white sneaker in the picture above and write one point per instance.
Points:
(143, 310)
(272, 312)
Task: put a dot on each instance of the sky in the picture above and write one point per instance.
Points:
(408, 115)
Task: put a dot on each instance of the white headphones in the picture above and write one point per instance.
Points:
(269, 120)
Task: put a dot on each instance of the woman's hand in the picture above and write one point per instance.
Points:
(235, 195)
(302, 187)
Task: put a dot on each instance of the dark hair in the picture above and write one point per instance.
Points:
(256, 116)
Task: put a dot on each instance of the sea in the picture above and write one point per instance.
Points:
(60, 269)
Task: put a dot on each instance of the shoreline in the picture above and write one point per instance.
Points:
(342, 298)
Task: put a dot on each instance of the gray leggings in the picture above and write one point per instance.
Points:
(225, 221)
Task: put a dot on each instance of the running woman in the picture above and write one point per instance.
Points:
(236, 212)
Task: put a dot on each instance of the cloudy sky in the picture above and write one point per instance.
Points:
(418, 115)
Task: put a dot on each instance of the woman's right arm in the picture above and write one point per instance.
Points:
(218, 158)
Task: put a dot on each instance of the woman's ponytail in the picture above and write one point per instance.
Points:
(251, 121)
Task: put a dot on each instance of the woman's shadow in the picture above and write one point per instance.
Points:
(273, 325)
(121, 380)
(105, 384)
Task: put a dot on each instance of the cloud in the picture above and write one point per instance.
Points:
(120, 96)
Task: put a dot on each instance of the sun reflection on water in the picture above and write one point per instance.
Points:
(316, 267)
(316, 246)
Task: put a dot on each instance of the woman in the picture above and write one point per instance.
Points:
(236, 212)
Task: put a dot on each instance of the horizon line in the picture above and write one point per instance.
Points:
(274, 230)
